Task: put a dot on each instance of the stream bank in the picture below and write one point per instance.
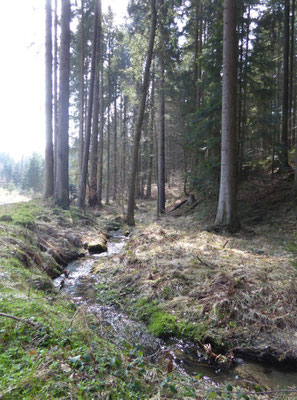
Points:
(82, 287)
(70, 351)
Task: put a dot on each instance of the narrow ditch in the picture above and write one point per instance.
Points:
(80, 285)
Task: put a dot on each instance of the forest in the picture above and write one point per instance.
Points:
(155, 255)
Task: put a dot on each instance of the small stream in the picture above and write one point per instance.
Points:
(80, 287)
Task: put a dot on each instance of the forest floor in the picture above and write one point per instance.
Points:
(238, 292)
(235, 292)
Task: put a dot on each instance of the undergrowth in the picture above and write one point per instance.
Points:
(54, 349)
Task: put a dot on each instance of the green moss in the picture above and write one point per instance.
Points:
(24, 219)
(163, 324)
(166, 325)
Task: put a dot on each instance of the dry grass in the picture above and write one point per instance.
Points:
(242, 287)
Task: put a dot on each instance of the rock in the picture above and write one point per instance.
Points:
(98, 245)
(50, 266)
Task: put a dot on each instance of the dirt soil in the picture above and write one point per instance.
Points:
(238, 289)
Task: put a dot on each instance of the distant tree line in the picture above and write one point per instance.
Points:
(25, 175)
(169, 92)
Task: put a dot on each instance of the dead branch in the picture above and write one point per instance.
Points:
(19, 319)
(178, 205)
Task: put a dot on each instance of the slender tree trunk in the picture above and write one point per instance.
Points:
(115, 149)
(93, 200)
(81, 92)
(239, 101)
(49, 152)
(124, 144)
(197, 51)
(227, 207)
(62, 183)
(56, 101)
(145, 85)
(101, 130)
(161, 141)
(291, 76)
(244, 89)
(151, 141)
(83, 180)
(284, 164)
(108, 128)
(93, 195)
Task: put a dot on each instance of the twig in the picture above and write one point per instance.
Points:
(225, 244)
(19, 319)
(204, 262)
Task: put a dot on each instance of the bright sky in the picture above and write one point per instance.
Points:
(22, 74)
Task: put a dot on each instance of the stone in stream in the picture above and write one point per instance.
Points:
(98, 245)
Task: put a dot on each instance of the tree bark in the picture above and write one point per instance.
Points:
(49, 151)
(115, 149)
(145, 85)
(227, 207)
(291, 76)
(56, 101)
(93, 195)
(101, 129)
(62, 182)
(84, 173)
(81, 92)
(93, 200)
(161, 137)
(284, 164)
(124, 138)
(108, 125)
(151, 141)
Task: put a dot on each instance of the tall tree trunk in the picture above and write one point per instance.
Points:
(115, 149)
(291, 76)
(93, 200)
(81, 92)
(93, 195)
(84, 173)
(197, 51)
(227, 207)
(56, 101)
(161, 141)
(124, 133)
(108, 128)
(151, 141)
(284, 164)
(49, 152)
(101, 129)
(145, 85)
(244, 89)
(62, 182)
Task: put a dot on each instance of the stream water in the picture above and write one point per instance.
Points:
(80, 287)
